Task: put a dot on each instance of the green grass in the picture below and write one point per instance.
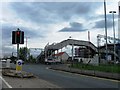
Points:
(104, 68)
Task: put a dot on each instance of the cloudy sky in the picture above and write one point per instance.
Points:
(51, 22)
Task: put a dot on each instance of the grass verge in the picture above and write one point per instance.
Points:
(103, 68)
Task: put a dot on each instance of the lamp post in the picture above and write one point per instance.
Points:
(114, 33)
(26, 46)
(105, 28)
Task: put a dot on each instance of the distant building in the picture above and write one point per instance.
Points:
(84, 52)
(63, 56)
(102, 52)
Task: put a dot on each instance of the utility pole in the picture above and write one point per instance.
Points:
(114, 34)
(105, 29)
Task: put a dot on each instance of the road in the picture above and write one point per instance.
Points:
(3, 83)
(68, 80)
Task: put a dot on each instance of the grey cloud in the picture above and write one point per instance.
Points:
(75, 27)
(109, 17)
(101, 24)
(40, 12)
(7, 33)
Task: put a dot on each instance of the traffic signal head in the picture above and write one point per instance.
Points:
(18, 33)
(17, 37)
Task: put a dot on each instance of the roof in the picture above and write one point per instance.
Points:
(59, 54)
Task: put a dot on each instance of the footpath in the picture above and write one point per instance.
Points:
(66, 68)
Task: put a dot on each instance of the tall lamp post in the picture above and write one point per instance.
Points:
(26, 46)
(106, 29)
(114, 34)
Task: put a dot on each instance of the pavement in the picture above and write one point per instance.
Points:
(28, 83)
(66, 68)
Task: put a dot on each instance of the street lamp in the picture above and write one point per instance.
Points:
(26, 46)
(113, 33)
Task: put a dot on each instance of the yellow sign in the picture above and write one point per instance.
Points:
(18, 68)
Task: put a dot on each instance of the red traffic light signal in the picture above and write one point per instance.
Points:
(18, 32)
(17, 37)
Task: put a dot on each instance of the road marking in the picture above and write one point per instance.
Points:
(9, 86)
(88, 76)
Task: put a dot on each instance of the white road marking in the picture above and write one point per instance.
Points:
(9, 86)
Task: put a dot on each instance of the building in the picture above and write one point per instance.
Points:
(84, 52)
(110, 56)
(63, 56)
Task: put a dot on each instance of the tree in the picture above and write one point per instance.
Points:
(23, 53)
(32, 59)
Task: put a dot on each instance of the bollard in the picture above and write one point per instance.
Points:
(18, 66)
(8, 63)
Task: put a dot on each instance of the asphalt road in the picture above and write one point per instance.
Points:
(69, 80)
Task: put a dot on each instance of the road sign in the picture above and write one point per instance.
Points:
(19, 66)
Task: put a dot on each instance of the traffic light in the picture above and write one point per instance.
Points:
(18, 33)
(17, 37)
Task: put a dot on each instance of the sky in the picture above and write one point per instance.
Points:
(53, 21)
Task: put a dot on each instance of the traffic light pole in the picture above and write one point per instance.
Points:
(17, 51)
(17, 38)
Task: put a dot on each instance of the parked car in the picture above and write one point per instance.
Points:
(52, 61)
(49, 61)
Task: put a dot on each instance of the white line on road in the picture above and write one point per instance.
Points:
(9, 86)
